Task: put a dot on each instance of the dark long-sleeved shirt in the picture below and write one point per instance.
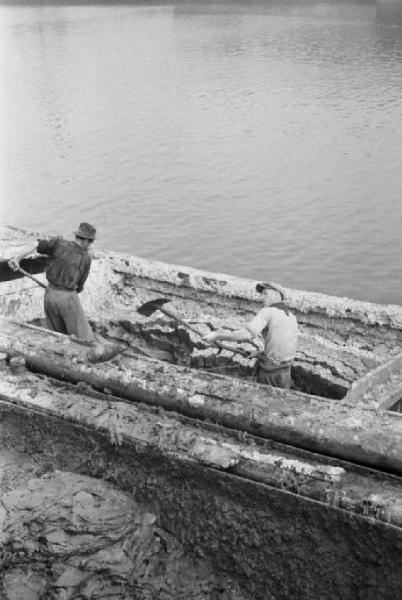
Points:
(70, 266)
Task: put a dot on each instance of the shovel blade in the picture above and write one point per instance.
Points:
(151, 306)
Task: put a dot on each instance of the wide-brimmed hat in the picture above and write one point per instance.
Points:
(270, 285)
(86, 231)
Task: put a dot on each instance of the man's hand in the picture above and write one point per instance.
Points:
(209, 338)
(14, 264)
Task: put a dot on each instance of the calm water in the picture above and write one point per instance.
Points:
(263, 140)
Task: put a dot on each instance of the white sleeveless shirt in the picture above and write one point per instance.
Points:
(281, 333)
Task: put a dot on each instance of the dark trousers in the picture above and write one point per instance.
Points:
(275, 375)
(65, 314)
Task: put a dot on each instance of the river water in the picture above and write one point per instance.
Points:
(262, 139)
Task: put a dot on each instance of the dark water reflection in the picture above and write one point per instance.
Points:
(260, 138)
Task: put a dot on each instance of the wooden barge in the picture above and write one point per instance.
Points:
(288, 494)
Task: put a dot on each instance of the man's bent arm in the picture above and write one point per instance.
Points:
(239, 335)
(14, 262)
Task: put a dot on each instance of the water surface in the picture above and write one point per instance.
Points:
(258, 139)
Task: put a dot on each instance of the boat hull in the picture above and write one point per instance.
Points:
(290, 493)
(277, 531)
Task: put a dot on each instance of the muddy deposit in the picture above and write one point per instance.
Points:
(68, 536)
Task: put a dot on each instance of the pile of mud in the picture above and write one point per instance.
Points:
(66, 536)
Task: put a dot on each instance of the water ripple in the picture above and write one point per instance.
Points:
(261, 140)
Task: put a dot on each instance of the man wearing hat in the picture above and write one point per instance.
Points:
(66, 274)
(279, 330)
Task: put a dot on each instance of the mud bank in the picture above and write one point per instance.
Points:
(66, 536)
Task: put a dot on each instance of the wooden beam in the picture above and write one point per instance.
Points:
(367, 436)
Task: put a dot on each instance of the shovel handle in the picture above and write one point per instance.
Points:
(21, 270)
(62, 336)
(231, 349)
(170, 314)
(167, 312)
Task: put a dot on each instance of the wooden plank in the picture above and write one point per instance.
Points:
(381, 375)
(382, 385)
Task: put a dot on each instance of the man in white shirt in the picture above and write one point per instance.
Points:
(279, 330)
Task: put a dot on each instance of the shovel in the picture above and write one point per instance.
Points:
(152, 306)
(21, 270)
